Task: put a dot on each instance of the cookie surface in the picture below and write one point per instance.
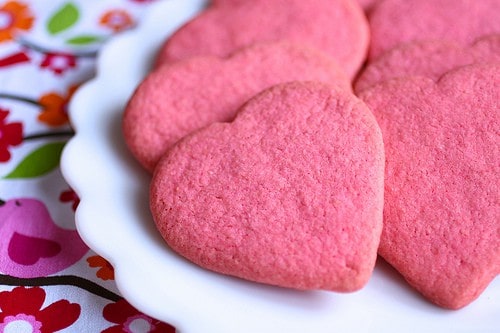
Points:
(226, 2)
(441, 226)
(339, 28)
(431, 59)
(367, 5)
(290, 193)
(177, 99)
(460, 21)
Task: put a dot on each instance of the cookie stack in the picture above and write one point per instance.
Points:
(290, 142)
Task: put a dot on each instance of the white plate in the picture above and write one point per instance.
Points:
(114, 220)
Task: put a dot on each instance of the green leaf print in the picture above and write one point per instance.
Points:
(63, 19)
(39, 162)
(84, 40)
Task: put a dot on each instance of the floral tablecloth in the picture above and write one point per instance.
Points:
(49, 280)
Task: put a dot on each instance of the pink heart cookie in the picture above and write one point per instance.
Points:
(179, 98)
(431, 59)
(365, 4)
(290, 193)
(394, 22)
(226, 2)
(442, 204)
(339, 28)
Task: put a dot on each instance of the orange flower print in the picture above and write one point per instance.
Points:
(106, 271)
(116, 20)
(55, 106)
(14, 16)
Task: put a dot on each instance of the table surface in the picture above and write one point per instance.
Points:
(49, 279)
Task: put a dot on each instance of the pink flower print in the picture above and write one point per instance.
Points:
(21, 311)
(32, 244)
(58, 62)
(11, 134)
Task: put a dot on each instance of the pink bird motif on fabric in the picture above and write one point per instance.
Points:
(31, 244)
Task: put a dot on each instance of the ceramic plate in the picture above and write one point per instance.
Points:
(114, 220)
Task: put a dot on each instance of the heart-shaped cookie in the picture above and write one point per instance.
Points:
(339, 28)
(365, 4)
(442, 204)
(395, 22)
(431, 59)
(290, 193)
(179, 98)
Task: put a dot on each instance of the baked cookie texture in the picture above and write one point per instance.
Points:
(178, 98)
(442, 204)
(290, 193)
(271, 170)
(430, 58)
(394, 22)
(365, 4)
(339, 28)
